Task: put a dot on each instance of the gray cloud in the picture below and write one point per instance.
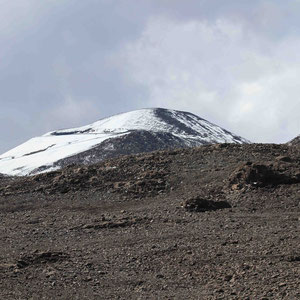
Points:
(67, 63)
(222, 71)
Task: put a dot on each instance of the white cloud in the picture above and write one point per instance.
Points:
(233, 62)
(222, 71)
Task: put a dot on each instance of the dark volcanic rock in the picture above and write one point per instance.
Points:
(199, 204)
(40, 258)
(261, 175)
(138, 141)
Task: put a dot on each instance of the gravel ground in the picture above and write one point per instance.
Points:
(151, 227)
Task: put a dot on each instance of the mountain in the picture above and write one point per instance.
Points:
(133, 132)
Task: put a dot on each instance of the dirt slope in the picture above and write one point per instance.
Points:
(215, 222)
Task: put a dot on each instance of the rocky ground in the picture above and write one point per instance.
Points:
(214, 222)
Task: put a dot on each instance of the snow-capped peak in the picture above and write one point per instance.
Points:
(188, 130)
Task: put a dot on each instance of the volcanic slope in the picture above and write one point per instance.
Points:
(295, 141)
(134, 132)
(213, 222)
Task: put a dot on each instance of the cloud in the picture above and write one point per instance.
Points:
(222, 71)
(70, 111)
(52, 50)
(224, 60)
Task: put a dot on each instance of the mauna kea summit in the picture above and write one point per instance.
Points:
(133, 132)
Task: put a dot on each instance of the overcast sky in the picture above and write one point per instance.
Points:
(65, 63)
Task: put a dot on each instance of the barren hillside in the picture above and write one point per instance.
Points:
(213, 222)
